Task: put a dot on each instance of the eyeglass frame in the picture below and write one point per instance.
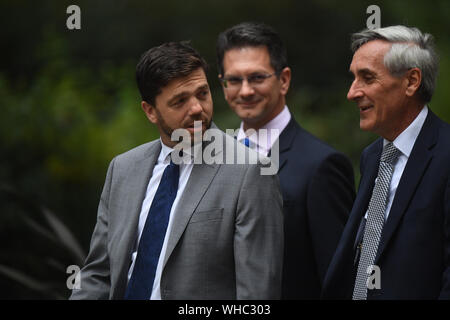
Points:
(251, 79)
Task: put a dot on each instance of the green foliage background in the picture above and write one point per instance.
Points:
(69, 103)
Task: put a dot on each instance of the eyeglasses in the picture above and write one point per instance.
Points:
(253, 80)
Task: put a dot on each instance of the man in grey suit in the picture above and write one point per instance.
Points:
(187, 230)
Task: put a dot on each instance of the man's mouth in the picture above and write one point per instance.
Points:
(247, 104)
(364, 108)
(192, 128)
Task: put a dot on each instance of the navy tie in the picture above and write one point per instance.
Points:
(152, 238)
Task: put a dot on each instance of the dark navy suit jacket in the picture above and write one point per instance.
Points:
(414, 250)
(317, 184)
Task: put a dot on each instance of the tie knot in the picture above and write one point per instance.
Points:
(175, 157)
(247, 142)
(172, 164)
(390, 153)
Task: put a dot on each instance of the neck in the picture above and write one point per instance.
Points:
(406, 120)
(256, 125)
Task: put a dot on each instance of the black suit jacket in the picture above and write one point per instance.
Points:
(317, 184)
(414, 250)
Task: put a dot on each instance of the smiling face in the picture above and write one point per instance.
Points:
(254, 104)
(383, 100)
(180, 103)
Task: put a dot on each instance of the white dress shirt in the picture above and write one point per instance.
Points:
(404, 142)
(161, 164)
(259, 142)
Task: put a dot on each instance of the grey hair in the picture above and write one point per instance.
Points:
(410, 49)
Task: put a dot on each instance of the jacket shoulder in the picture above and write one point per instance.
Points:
(138, 152)
(317, 150)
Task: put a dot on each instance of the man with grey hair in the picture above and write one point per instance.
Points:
(396, 244)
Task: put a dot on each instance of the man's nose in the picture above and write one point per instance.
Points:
(246, 89)
(196, 107)
(354, 92)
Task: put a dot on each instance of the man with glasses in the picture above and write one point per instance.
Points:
(316, 181)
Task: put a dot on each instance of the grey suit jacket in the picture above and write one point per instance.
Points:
(227, 235)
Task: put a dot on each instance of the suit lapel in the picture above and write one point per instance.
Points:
(285, 141)
(137, 178)
(370, 172)
(198, 183)
(417, 163)
(341, 276)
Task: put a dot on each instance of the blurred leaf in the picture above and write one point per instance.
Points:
(64, 235)
(40, 230)
(28, 282)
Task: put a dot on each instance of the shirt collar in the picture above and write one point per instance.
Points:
(164, 154)
(405, 140)
(279, 122)
(166, 150)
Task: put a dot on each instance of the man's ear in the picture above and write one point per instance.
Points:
(285, 78)
(149, 111)
(223, 86)
(413, 81)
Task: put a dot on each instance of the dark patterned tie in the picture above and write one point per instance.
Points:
(152, 238)
(375, 219)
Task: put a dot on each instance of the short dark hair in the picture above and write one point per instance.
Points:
(162, 64)
(252, 34)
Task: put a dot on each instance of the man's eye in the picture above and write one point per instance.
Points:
(179, 102)
(258, 78)
(203, 93)
(234, 80)
(368, 78)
